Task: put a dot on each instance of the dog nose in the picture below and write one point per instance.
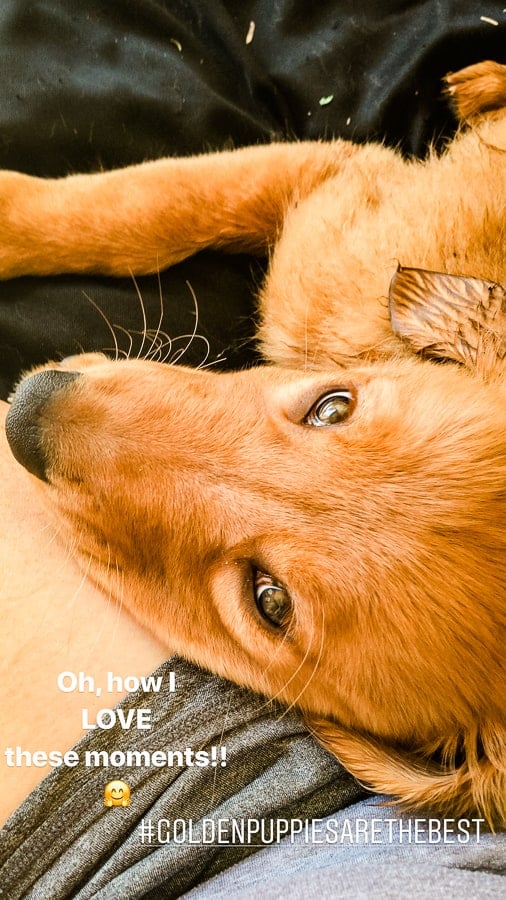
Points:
(23, 420)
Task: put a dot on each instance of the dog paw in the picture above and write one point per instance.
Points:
(477, 89)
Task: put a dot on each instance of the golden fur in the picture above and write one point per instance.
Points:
(386, 530)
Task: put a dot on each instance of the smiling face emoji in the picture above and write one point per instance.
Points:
(117, 793)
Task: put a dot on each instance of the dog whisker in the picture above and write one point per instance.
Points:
(194, 332)
(220, 743)
(271, 665)
(152, 333)
(278, 696)
(204, 363)
(212, 362)
(159, 334)
(168, 343)
(301, 666)
(161, 344)
(178, 355)
(106, 320)
(126, 354)
(296, 699)
(160, 340)
(140, 354)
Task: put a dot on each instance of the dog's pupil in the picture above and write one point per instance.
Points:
(272, 601)
(333, 409)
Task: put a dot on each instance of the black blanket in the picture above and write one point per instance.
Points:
(103, 83)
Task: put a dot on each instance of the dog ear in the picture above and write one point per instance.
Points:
(449, 316)
(476, 786)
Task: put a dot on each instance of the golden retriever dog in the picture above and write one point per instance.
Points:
(328, 529)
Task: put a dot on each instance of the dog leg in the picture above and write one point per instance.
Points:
(144, 218)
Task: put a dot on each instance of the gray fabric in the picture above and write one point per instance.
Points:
(63, 842)
(354, 866)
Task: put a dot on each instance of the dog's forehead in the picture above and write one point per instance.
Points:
(142, 383)
(201, 418)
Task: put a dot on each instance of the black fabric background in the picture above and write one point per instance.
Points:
(86, 84)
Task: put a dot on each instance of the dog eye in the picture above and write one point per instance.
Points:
(271, 598)
(331, 409)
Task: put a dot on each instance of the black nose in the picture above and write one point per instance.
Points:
(23, 421)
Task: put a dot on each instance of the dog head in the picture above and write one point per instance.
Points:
(334, 539)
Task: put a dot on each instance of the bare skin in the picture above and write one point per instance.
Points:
(53, 621)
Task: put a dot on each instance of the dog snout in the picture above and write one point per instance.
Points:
(24, 419)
